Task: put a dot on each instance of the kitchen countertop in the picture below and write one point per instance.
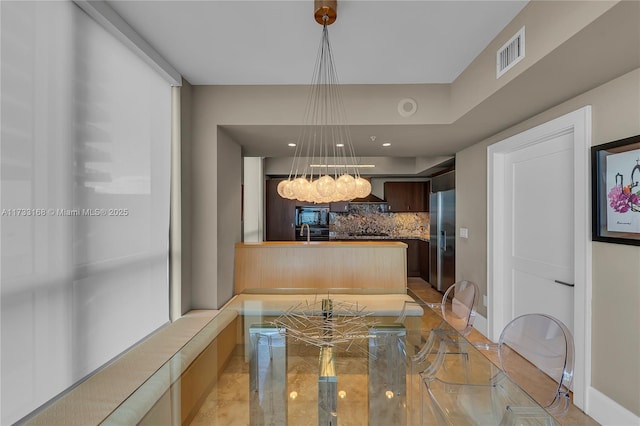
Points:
(364, 242)
(343, 237)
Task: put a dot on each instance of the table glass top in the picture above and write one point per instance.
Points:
(328, 362)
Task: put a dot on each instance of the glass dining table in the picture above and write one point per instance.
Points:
(327, 359)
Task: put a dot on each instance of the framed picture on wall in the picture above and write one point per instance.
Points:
(615, 179)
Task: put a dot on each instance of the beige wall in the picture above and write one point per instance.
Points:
(229, 182)
(548, 25)
(615, 338)
(215, 174)
(616, 269)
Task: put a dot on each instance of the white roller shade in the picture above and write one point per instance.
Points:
(84, 197)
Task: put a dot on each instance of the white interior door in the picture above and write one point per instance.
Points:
(538, 231)
(538, 205)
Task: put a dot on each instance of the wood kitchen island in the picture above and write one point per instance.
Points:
(321, 264)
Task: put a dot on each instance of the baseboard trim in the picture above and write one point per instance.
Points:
(481, 325)
(607, 412)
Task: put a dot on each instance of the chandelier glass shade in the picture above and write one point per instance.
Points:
(324, 167)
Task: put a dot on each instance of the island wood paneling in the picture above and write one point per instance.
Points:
(348, 265)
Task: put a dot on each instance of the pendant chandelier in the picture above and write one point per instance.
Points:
(324, 167)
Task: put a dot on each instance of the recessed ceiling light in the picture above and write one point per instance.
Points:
(339, 145)
(386, 144)
(291, 144)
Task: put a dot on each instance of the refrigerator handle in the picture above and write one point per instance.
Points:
(443, 240)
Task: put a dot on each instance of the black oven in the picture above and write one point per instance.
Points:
(312, 216)
(318, 220)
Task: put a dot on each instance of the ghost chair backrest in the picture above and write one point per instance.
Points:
(459, 305)
(539, 342)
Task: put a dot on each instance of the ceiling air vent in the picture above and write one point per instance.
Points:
(510, 54)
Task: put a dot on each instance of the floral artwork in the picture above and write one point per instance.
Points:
(623, 196)
(621, 199)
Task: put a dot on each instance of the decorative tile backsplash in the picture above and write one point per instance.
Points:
(373, 220)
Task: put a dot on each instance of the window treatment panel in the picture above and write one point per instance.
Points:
(85, 175)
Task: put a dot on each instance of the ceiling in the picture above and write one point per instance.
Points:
(268, 42)
(275, 42)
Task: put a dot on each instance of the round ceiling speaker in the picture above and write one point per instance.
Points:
(407, 107)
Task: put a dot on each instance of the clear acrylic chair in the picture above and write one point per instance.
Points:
(458, 306)
(547, 345)
(458, 310)
(425, 356)
(536, 351)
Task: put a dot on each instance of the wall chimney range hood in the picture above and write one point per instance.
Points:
(369, 199)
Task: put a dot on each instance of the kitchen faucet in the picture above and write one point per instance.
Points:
(308, 232)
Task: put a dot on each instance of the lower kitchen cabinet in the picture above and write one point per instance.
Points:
(423, 254)
(413, 257)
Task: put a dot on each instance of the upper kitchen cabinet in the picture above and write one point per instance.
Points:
(407, 196)
(339, 207)
(280, 214)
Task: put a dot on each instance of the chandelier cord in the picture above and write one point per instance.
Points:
(325, 123)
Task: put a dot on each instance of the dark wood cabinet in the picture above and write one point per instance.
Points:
(280, 214)
(423, 254)
(413, 257)
(407, 196)
(339, 207)
(417, 258)
(427, 194)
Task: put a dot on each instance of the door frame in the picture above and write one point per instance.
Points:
(578, 123)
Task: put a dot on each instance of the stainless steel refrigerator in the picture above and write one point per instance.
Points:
(442, 229)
